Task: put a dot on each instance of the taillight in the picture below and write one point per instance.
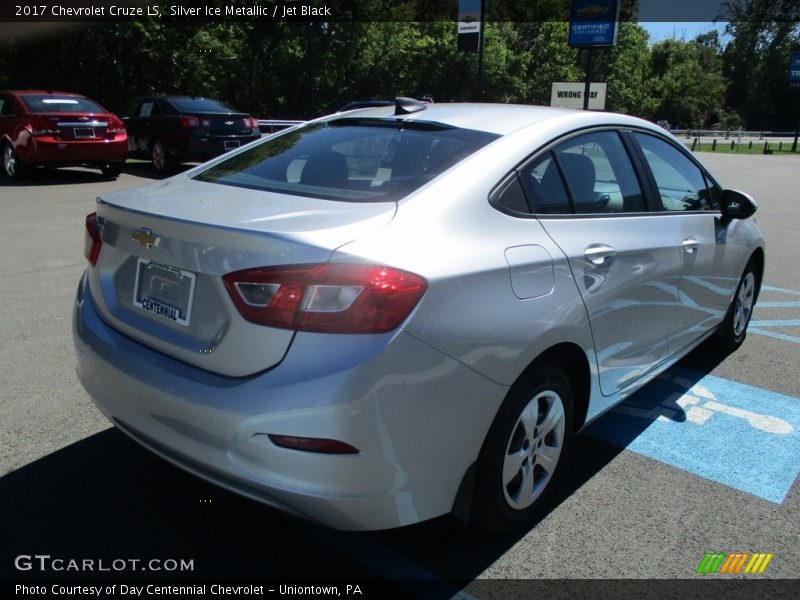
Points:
(42, 126)
(115, 127)
(188, 122)
(251, 122)
(93, 242)
(330, 298)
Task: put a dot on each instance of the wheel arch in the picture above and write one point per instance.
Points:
(758, 259)
(572, 358)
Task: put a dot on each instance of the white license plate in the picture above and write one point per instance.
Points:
(83, 133)
(165, 291)
(233, 144)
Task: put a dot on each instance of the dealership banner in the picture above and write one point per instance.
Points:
(793, 76)
(593, 23)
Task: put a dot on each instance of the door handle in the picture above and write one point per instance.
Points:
(690, 245)
(598, 253)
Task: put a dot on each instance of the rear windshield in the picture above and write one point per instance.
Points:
(48, 103)
(354, 160)
(200, 105)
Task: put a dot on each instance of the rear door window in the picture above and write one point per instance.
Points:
(149, 108)
(599, 175)
(545, 187)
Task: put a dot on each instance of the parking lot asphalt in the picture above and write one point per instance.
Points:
(704, 460)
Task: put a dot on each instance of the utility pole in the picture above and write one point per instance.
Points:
(480, 52)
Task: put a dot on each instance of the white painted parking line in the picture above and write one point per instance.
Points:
(775, 298)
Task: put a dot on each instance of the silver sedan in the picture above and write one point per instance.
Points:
(391, 314)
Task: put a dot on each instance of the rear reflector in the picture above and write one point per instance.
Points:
(92, 241)
(328, 298)
(318, 445)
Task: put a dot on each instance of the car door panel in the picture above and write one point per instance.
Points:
(710, 265)
(627, 294)
(624, 260)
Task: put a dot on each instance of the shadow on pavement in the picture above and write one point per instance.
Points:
(145, 170)
(106, 498)
(68, 176)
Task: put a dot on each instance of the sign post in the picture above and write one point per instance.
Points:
(470, 33)
(793, 83)
(592, 24)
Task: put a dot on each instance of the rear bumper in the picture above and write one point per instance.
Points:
(206, 147)
(417, 417)
(54, 153)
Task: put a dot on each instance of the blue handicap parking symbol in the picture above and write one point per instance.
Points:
(735, 434)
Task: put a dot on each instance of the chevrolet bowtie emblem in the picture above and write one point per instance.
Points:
(228, 122)
(146, 238)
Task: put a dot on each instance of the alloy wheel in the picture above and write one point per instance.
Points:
(159, 155)
(533, 449)
(9, 161)
(744, 304)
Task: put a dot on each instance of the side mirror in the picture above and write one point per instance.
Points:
(737, 205)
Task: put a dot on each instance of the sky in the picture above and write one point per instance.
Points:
(679, 30)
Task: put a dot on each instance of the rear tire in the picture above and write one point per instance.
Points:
(733, 329)
(162, 161)
(522, 456)
(112, 170)
(10, 162)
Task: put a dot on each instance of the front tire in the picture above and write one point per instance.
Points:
(733, 329)
(524, 451)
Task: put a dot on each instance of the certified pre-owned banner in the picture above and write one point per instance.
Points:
(593, 23)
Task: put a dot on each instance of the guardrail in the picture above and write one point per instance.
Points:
(273, 125)
(730, 133)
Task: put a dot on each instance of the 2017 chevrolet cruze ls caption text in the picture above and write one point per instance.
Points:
(394, 313)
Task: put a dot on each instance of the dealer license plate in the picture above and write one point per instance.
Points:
(165, 291)
(82, 133)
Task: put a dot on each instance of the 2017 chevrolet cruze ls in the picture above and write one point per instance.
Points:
(395, 313)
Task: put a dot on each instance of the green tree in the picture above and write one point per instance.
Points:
(688, 82)
(627, 70)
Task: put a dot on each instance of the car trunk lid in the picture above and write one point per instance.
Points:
(166, 247)
(225, 124)
(79, 126)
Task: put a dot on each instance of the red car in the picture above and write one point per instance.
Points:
(59, 129)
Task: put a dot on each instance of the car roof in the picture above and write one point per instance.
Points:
(500, 119)
(42, 92)
(177, 97)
